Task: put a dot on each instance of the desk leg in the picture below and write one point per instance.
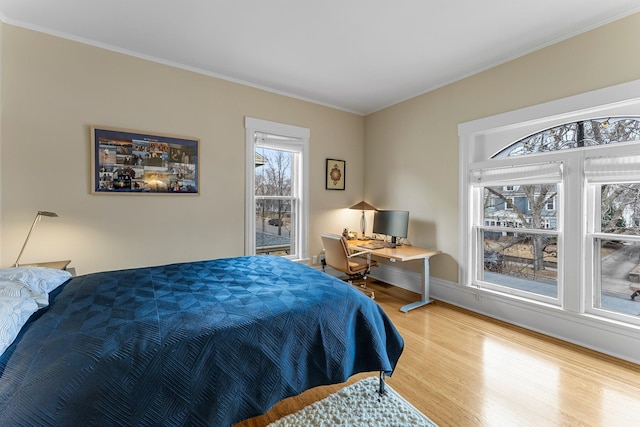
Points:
(425, 289)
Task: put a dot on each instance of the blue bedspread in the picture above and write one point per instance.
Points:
(205, 343)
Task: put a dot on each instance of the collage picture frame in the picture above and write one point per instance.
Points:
(135, 162)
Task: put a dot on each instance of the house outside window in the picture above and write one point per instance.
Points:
(277, 189)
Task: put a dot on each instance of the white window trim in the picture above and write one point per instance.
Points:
(252, 126)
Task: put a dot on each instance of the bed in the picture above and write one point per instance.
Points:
(206, 343)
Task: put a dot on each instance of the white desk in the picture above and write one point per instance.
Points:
(404, 253)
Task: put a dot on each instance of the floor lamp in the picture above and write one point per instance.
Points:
(363, 206)
(39, 215)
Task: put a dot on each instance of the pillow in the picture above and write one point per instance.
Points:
(16, 289)
(40, 280)
(14, 313)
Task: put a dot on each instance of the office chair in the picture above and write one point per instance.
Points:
(354, 265)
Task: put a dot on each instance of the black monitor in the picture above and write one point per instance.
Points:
(391, 223)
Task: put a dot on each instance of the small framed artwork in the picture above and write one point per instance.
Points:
(133, 162)
(335, 174)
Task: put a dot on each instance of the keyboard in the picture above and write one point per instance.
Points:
(373, 245)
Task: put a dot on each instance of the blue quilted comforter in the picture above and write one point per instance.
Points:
(205, 343)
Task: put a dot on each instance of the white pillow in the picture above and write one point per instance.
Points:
(40, 280)
(16, 289)
(14, 313)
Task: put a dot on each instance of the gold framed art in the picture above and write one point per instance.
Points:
(335, 171)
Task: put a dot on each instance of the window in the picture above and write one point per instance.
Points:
(613, 231)
(277, 189)
(551, 204)
(555, 216)
(520, 253)
(509, 202)
(584, 133)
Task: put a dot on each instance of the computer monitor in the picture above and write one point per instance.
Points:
(391, 223)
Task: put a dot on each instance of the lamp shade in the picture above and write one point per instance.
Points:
(363, 206)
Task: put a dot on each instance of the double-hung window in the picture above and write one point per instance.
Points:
(277, 189)
(519, 254)
(613, 234)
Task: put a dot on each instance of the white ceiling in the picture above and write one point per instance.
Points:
(355, 55)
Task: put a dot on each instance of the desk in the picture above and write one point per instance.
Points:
(404, 253)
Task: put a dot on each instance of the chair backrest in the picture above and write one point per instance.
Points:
(336, 252)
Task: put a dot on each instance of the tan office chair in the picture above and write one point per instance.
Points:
(356, 265)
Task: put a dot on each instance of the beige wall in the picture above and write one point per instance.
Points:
(416, 141)
(52, 91)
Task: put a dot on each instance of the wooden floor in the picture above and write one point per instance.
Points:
(463, 369)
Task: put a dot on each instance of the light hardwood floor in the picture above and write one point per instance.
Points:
(463, 369)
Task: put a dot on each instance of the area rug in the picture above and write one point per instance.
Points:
(358, 405)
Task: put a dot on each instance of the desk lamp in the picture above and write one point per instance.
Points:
(39, 215)
(363, 206)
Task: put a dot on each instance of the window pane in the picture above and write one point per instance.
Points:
(521, 206)
(620, 277)
(620, 208)
(522, 261)
(273, 227)
(619, 258)
(273, 172)
(273, 186)
(611, 130)
(585, 133)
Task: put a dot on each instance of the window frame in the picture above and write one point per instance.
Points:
(480, 139)
(531, 175)
(300, 187)
(593, 234)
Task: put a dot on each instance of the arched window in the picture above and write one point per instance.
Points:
(554, 217)
(585, 133)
